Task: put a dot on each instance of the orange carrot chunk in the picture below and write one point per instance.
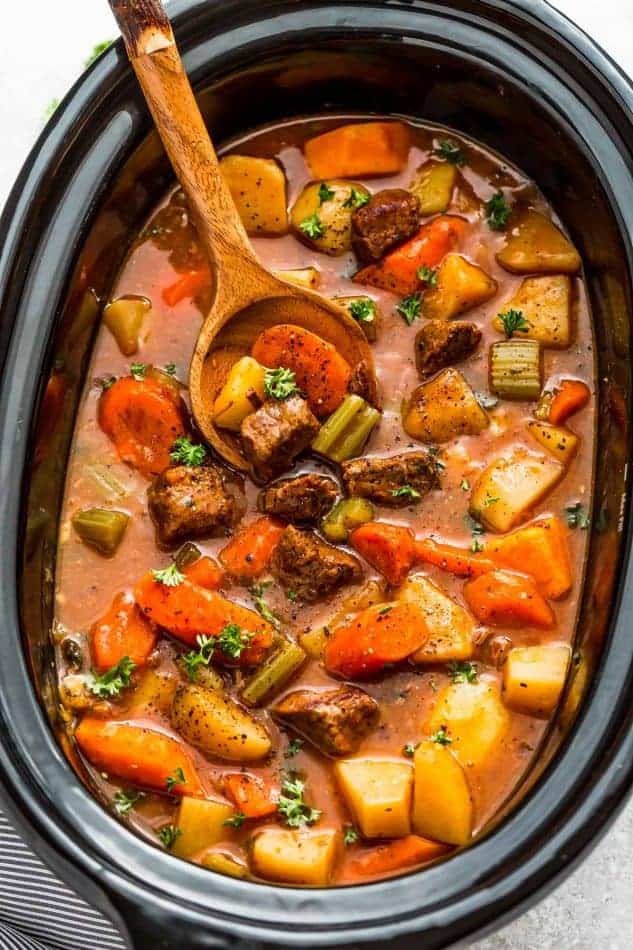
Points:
(138, 754)
(511, 600)
(393, 856)
(572, 395)
(122, 631)
(188, 610)
(186, 286)
(398, 270)
(320, 371)
(251, 795)
(377, 636)
(387, 547)
(364, 148)
(540, 550)
(248, 553)
(205, 572)
(143, 418)
(452, 559)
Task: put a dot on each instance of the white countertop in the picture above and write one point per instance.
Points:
(41, 55)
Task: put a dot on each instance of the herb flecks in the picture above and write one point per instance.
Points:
(293, 806)
(169, 576)
(312, 227)
(124, 802)
(451, 152)
(294, 747)
(109, 684)
(577, 517)
(178, 778)
(186, 452)
(232, 640)
(409, 749)
(428, 275)
(350, 835)
(325, 192)
(169, 835)
(406, 491)
(497, 212)
(138, 370)
(363, 310)
(280, 383)
(236, 820)
(257, 592)
(441, 736)
(410, 308)
(356, 199)
(200, 657)
(463, 671)
(513, 322)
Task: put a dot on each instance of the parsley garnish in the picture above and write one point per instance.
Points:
(409, 749)
(428, 275)
(124, 802)
(232, 640)
(450, 152)
(292, 595)
(293, 806)
(106, 382)
(476, 546)
(356, 199)
(325, 193)
(178, 778)
(405, 491)
(201, 657)
(138, 370)
(169, 834)
(257, 593)
(236, 820)
(280, 383)
(312, 226)
(363, 310)
(185, 452)
(497, 212)
(109, 684)
(410, 308)
(169, 576)
(514, 322)
(462, 672)
(294, 746)
(170, 369)
(350, 835)
(491, 500)
(441, 736)
(577, 517)
(97, 51)
(464, 484)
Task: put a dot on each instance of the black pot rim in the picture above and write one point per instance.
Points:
(492, 880)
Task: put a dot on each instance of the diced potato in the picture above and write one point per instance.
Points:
(378, 794)
(433, 184)
(302, 276)
(559, 441)
(451, 627)
(154, 693)
(217, 725)
(258, 188)
(511, 486)
(442, 803)
(326, 222)
(474, 718)
(365, 311)
(242, 393)
(444, 408)
(224, 864)
(201, 824)
(536, 246)
(295, 857)
(545, 303)
(533, 678)
(124, 319)
(460, 287)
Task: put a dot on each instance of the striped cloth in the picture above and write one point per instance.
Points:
(37, 911)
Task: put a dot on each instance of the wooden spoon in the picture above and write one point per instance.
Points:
(247, 298)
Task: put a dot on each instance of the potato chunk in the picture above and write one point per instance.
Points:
(217, 725)
(258, 188)
(442, 804)
(242, 393)
(511, 486)
(559, 441)
(460, 287)
(201, 825)
(433, 184)
(545, 303)
(536, 246)
(444, 408)
(301, 276)
(378, 794)
(451, 627)
(322, 214)
(474, 718)
(295, 857)
(533, 678)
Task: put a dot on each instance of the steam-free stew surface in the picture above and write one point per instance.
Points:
(431, 673)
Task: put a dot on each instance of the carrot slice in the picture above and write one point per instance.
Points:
(511, 600)
(398, 270)
(138, 754)
(571, 396)
(540, 550)
(377, 636)
(143, 418)
(248, 553)
(187, 285)
(320, 371)
(452, 559)
(393, 856)
(364, 148)
(188, 610)
(389, 548)
(251, 795)
(205, 572)
(122, 631)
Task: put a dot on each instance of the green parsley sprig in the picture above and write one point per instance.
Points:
(406, 491)
(169, 576)
(293, 806)
(356, 199)
(257, 592)
(410, 308)
(280, 383)
(109, 684)
(441, 736)
(186, 452)
(577, 517)
(513, 322)
(362, 310)
(169, 834)
(463, 671)
(312, 226)
(124, 802)
(451, 152)
(497, 212)
(178, 778)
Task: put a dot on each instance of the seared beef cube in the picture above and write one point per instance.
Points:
(302, 562)
(274, 435)
(194, 502)
(382, 480)
(305, 498)
(362, 383)
(440, 344)
(390, 216)
(334, 720)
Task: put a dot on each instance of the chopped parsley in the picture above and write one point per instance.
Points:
(200, 657)
(463, 672)
(185, 452)
(514, 322)
(577, 517)
(170, 369)
(410, 308)
(97, 51)
(280, 383)
(409, 749)
(232, 640)
(491, 500)
(124, 802)
(464, 484)
(451, 152)
(476, 546)
(109, 684)
(169, 834)
(325, 192)
(312, 226)
(441, 736)
(106, 381)
(497, 212)
(293, 806)
(350, 835)
(406, 491)
(292, 595)
(169, 576)
(257, 593)
(236, 820)
(362, 310)
(138, 370)
(178, 778)
(294, 746)
(428, 275)
(356, 199)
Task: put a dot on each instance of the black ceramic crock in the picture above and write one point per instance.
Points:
(515, 75)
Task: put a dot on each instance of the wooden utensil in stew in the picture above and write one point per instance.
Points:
(247, 298)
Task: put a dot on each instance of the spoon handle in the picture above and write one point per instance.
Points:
(152, 50)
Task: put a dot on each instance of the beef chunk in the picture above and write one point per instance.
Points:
(274, 435)
(362, 382)
(194, 502)
(440, 343)
(302, 562)
(390, 216)
(379, 478)
(334, 720)
(305, 498)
